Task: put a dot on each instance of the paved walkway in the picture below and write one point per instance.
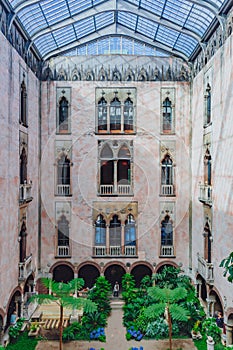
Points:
(115, 335)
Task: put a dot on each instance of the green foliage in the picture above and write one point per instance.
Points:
(210, 328)
(129, 292)
(14, 331)
(167, 295)
(24, 342)
(75, 332)
(100, 295)
(227, 264)
(157, 329)
(93, 320)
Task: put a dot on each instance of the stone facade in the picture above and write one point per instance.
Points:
(199, 223)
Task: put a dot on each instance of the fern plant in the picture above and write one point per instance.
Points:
(165, 302)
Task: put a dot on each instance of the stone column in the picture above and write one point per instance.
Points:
(208, 306)
(122, 239)
(122, 117)
(229, 334)
(107, 240)
(210, 343)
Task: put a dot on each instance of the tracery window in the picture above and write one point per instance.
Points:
(23, 104)
(100, 231)
(63, 176)
(63, 124)
(167, 116)
(115, 170)
(167, 248)
(115, 110)
(167, 176)
(63, 240)
(208, 105)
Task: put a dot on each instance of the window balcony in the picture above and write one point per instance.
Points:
(25, 268)
(167, 190)
(205, 269)
(121, 190)
(167, 251)
(115, 251)
(63, 251)
(25, 192)
(63, 190)
(205, 194)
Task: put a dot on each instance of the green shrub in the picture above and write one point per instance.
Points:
(24, 342)
(210, 328)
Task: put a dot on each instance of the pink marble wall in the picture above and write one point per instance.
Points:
(10, 68)
(221, 131)
(146, 168)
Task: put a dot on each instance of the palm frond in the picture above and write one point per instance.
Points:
(178, 313)
(43, 298)
(167, 295)
(154, 310)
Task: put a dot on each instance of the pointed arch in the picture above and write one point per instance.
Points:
(63, 175)
(23, 104)
(130, 231)
(23, 166)
(167, 236)
(102, 115)
(23, 242)
(106, 152)
(167, 116)
(100, 231)
(167, 176)
(63, 115)
(115, 115)
(63, 236)
(115, 232)
(128, 115)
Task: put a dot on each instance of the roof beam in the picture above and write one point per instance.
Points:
(212, 7)
(110, 31)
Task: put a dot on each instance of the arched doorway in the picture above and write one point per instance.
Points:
(15, 305)
(89, 273)
(114, 273)
(139, 272)
(63, 273)
(229, 329)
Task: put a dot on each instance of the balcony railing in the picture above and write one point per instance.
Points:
(167, 190)
(25, 268)
(122, 190)
(205, 269)
(25, 192)
(114, 251)
(205, 194)
(167, 250)
(63, 251)
(63, 190)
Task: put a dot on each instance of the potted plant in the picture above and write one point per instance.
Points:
(195, 332)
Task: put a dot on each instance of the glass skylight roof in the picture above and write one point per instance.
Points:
(173, 26)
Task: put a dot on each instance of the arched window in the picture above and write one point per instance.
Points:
(123, 166)
(107, 166)
(115, 170)
(208, 104)
(128, 115)
(130, 231)
(115, 115)
(23, 166)
(63, 176)
(207, 168)
(167, 176)
(167, 115)
(23, 243)
(166, 232)
(100, 231)
(115, 232)
(23, 104)
(63, 232)
(102, 114)
(207, 243)
(63, 115)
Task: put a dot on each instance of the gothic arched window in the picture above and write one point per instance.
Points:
(102, 114)
(167, 176)
(63, 115)
(23, 104)
(128, 115)
(63, 232)
(166, 232)
(115, 232)
(115, 115)
(63, 176)
(100, 231)
(167, 115)
(23, 166)
(130, 231)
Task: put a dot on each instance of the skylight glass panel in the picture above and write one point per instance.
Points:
(64, 35)
(127, 19)
(153, 6)
(115, 45)
(103, 46)
(185, 44)
(146, 27)
(55, 10)
(104, 19)
(46, 44)
(127, 46)
(199, 20)
(177, 11)
(166, 36)
(81, 51)
(32, 18)
(91, 49)
(84, 27)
